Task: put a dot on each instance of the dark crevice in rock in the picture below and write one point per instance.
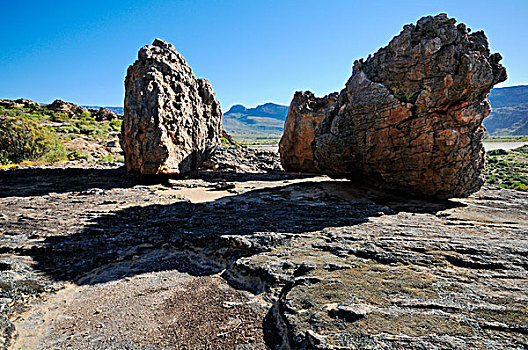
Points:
(504, 328)
(345, 315)
(380, 257)
(472, 264)
(275, 330)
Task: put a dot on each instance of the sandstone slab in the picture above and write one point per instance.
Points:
(317, 263)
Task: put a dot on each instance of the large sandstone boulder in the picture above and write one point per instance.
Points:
(172, 120)
(410, 117)
(305, 114)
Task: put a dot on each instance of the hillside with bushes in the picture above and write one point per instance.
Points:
(35, 133)
(262, 124)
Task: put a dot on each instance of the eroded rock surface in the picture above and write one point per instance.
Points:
(21, 102)
(172, 120)
(241, 159)
(410, 117)
(305, 114)
(66, 107)
(262, 260)
(103, 114)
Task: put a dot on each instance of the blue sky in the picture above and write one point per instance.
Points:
(251, 51)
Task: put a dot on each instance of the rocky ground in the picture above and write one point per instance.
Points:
(246, 256)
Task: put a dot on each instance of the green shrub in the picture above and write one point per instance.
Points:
(491, 180)
(115, 124)
(405, 96)
(110, 158)
(55, 153)
(498, 152)
(60, 117)
(522, 149)
(519, 186)
(67, 129)
(23, 139)
(76, 155)
(87, 116)
(3, 158)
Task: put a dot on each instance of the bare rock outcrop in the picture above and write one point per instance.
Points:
(410, 117)
(66, 107)
(344, 266)
(305, 114)
(103, 114)
(172, 120)
(21, 102)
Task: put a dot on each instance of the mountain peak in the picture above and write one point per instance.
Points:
(266, 119)
(236, 109)
(268, 109)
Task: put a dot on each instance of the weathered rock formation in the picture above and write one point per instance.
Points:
(172, 120)
(71, 109)
(410, 117)
(103, 114)
(305, 114)
(21, 102)
(66, 108)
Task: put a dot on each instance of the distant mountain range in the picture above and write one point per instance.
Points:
(116, 110)
(510, 111)
(264, 120)
(509, 116)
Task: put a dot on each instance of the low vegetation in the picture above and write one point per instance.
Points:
(508, 169)
(36, 134)
(514, 138)
(23, 139)
(257, 140)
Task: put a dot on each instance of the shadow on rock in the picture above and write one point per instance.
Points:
(37, 181)
(41, 181)
(207, 238)
(213, 237)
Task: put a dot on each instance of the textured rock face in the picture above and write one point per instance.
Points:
(305, 114)
(103, 114)
(66, 107)
(385, 272)
(21, 102)
(172, 120)
(410, 117)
